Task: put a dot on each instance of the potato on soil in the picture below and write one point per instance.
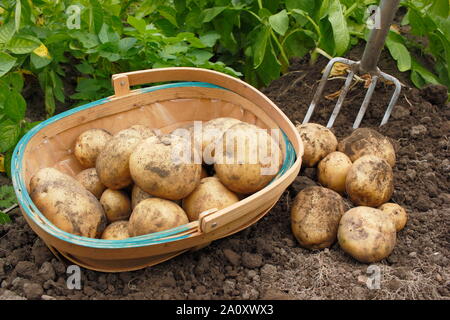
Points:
(247, 158)
(117, 230)
(318, 142)
(113, 161)
(209, 194)
(67, 204)
(89, 144)
(332, 171)
(315, 217)
(154, 215)
(397, 213)
(89, 179)
(366, 234)
(212, 132)
(137, 195)
(116, 204)
(370, 181)
(365, 141)
(162, 167)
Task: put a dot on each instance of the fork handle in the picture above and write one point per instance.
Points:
(377, 37)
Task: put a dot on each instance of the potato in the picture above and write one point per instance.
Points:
(209, 194)
(67, 204)
(137, 195)
(366, 234)
(89, 144)
(365, 141)
(154, 215)
(89, 179)
(315, 217)
(156, 168)
(212, 131)
(370, 181)
(117, 230)
(318, 142)
(113, 161)
(397, 213)
(116, 204)
(332, 171)
(143, 131)
(247, 158)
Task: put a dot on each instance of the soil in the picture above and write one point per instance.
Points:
(265, 261)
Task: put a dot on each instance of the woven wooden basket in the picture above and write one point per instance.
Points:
(207, 95)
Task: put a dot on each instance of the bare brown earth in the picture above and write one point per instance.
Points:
(265, 261)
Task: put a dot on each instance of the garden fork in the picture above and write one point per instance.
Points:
(367, 64)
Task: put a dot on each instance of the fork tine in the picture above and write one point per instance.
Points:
(340, 101)
(366, 102)
(320, 89)
(398, 88)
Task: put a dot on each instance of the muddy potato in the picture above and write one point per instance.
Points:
(366, 234)
(370, 181)
(212, 131)
(332, 171)
(154, 215)
(162, 167)
(315, 217)
(318, 142)
(365, 141)
(137, 195)
(67, 204)
(397, 213)
(113, 161)
(247, 158)
(209, 194)
(116, 204)
(89, 179)
(89, 144)
(117, 230)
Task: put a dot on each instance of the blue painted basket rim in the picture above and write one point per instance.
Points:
(28, 205)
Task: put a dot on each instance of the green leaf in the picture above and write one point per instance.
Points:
(88, 40)
(14, 80)
(138, 24)
(85, 68)
(126, 44)
(6, 63)
(15, 106)
(420, 76)
(169, 13)
(279, 22)
(23, 44)
(18, 14)
(305, 5)
(4, 218)
(324, 9)
(339, 25)
(440, 8)
(9, 134)
(210, 38)
(6, 32)
(298, 43)
(400, 54)
(106, 34)
(39, 62)
(259, 46)
(211, 13)
(200, 56)
(7, 199)
(270, 67)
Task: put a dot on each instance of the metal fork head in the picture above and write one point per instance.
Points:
(354, 67)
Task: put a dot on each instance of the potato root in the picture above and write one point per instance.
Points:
(90, 180)
(332, 171)
(117, 230)
(366, 234)
(315, 217)
(318, 142)
(397, 213)
(116, 204)
(89, 144)
(209, 194)
(370, 181)
(365, 141)
(154, 215)
(67, 204)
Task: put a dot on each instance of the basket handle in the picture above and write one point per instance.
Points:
(123, 81)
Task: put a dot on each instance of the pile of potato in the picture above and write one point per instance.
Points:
(132, 186)
(361, 167)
